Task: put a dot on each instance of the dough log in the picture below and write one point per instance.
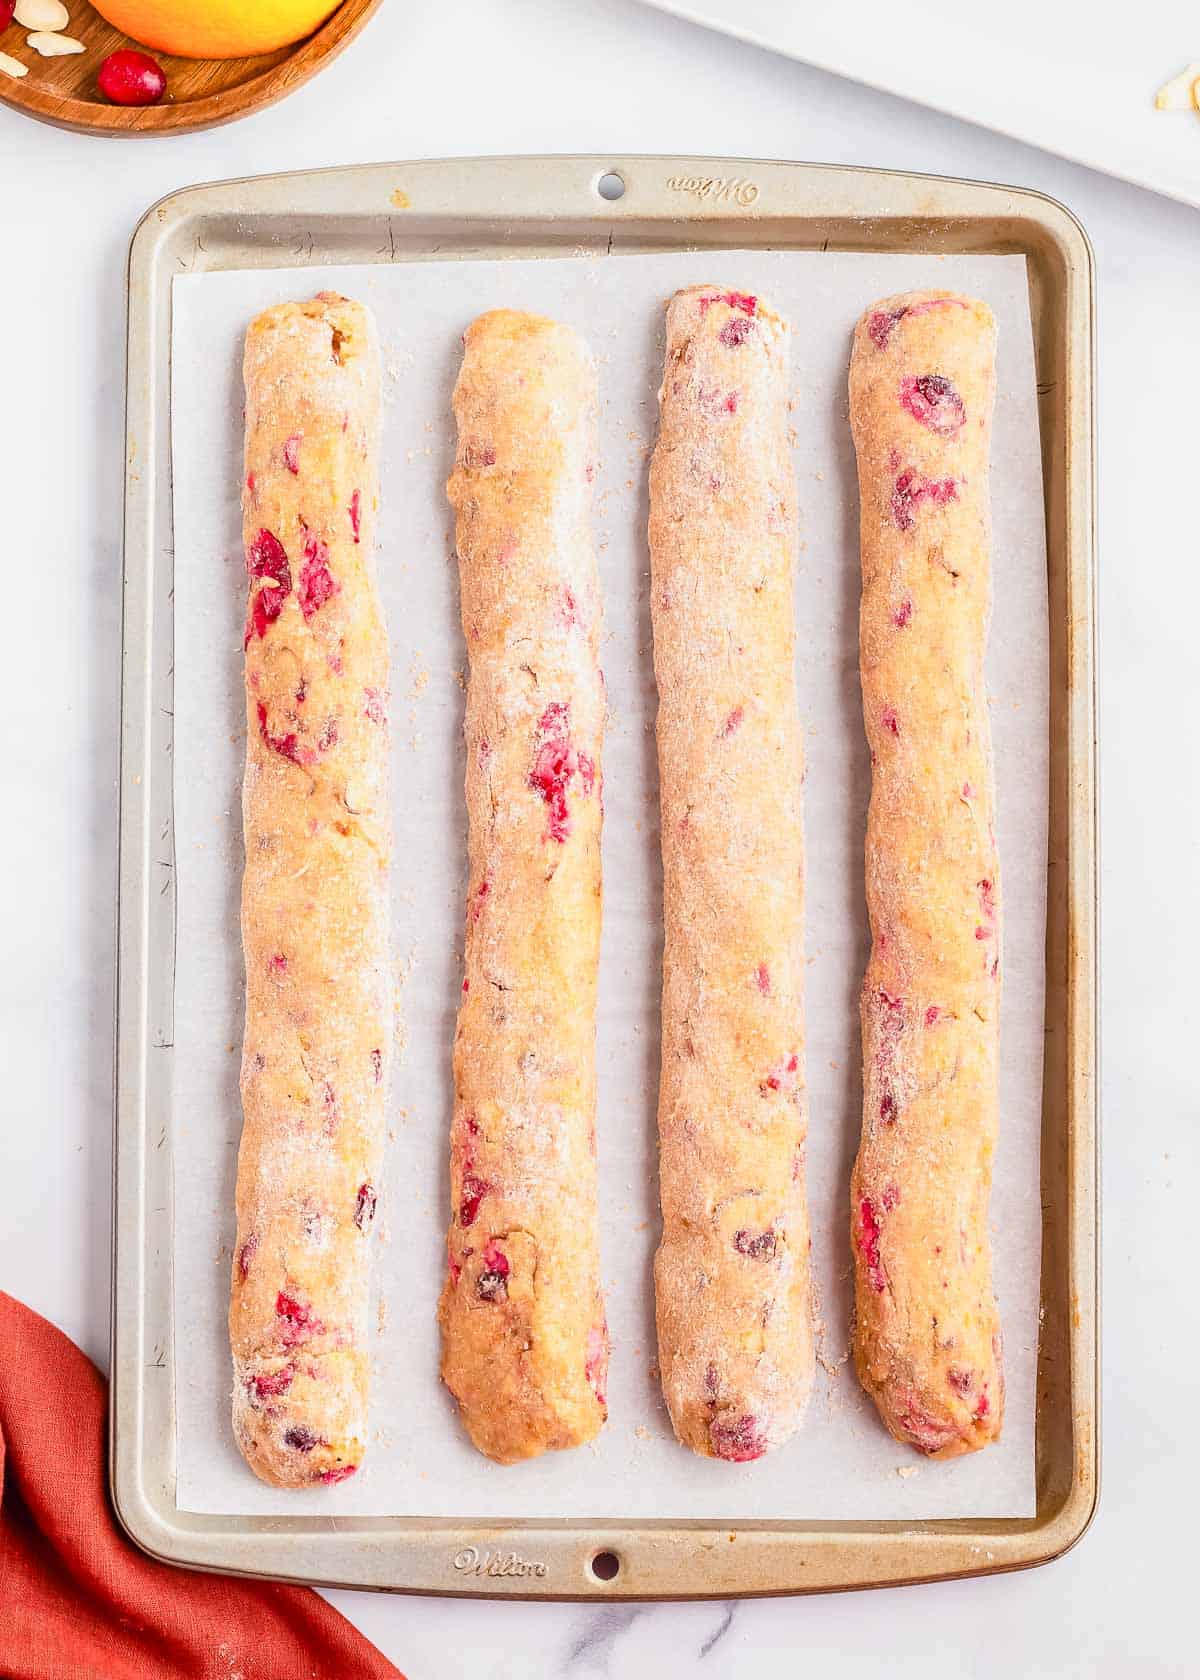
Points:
(732, 1271)
(927, 1341)
(525, 1346)
(315, 894)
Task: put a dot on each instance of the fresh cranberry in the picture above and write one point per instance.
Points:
(887, 1106)
(595, 1368)
(870, 1232)
(911, 489)
(902, 614)
(356, 514)
(299, 1319)
(265, 606)
(931, 1015)
(554, 764)
(474, 1189)
(291, 453)
(246, 1253)
(736, 331)
(317, 583)
(278, 963)
(744, 301)
(131, 78)
(932, 400)
(880, 325)
(267, 557)
(364, 1207)
(273, 1383)
(760, 1247)
(785, 1077)
(340, 1473)
(493, 1285)
(736, 1439)
(301, 1438)
(889, 720)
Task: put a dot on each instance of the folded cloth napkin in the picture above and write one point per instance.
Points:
(78, 1601)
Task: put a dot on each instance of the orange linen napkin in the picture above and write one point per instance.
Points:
(78, 1601)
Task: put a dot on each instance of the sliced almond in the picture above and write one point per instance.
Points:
(41, 14)
(53, 46)
(12, 67)
(1179, 94)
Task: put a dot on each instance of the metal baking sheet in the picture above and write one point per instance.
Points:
(553, 207)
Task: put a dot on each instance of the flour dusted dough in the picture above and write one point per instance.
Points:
(732, 1272)
(525, 1346)
(315, 894)
(927, 1342)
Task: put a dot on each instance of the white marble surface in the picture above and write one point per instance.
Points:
(534, 75)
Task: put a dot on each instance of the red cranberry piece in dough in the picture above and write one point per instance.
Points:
(756, 1246)
(364, 1207)
(301, 1438)
(932, 400)
(737, 1440)
(317, 583)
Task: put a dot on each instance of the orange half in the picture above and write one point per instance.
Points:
(216, 28)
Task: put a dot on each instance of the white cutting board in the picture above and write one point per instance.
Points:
(1073, 78)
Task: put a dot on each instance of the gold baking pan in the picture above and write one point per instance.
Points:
(528, 207)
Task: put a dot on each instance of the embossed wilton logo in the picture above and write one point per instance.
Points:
(738, 188)
(471, 1561)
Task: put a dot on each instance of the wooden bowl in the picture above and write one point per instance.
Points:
(201, 92)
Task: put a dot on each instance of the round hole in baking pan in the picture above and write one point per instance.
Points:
(606, 1566)
(611, 186)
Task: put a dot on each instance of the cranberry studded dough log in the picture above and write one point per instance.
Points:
(927, 1342)
(732, 1272)
(315, 894)
(525, 1347)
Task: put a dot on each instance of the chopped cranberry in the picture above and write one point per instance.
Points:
(716, 402)
(364, 1207)
(891, 1196)
(968, 792)
(340, 1473)
(737, 1440)
(931, 399)
(960, 1381)
(356, 514)
(712, 1384)
(760, 1247)
(252, 486)
(782, 1078)
(984, 1405)
(587, 772)
(272, 1383)
(987, 899)
(317, 584)
(902, 614)
(762, 975)
(301, 1439)
(880, 324)
(246, 1253)
(291, 453)
(912, 488)
(931, 1015)
(287, 746)
(983, 933)
(278, 963)
(474, 1189)
(889, 720)
(735, 331)
(481, 892)
(267, 557)
(744, 301)
(870, 1231)
(554, 764)
(492, 1284)
(299, 1319)
(928, 1433)
(887, 1106)
(376, 706)
(568, 610)
(377, 1065)
(733, 722)
(595, 1367)
(478, 455)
